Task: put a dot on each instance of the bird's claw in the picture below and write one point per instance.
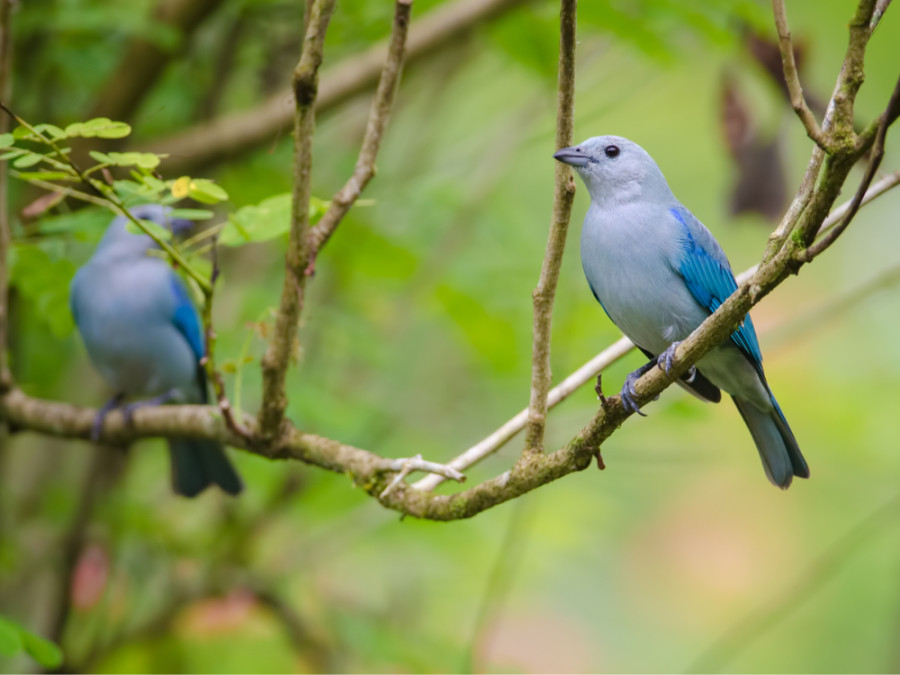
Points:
(129, 409)
(666, 361)
(97, 426)
(629, 394)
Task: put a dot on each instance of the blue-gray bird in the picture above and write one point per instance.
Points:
(143, 334)
(658, 273)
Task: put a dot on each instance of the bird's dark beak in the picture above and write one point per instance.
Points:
(573, 156)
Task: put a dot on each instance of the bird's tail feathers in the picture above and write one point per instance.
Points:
(197, 464)
(778, 449)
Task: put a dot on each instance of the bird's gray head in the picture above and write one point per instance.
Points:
(119, 242)
(615, 170)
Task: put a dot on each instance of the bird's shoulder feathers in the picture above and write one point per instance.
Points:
(702, 264)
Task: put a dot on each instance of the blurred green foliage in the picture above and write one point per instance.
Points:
(416, 338)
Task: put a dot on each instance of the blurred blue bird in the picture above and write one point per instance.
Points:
(658, 273)
(143, 334)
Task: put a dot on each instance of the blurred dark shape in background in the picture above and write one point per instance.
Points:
(760, 185)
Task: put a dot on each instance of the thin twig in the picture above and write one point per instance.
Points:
(62, 189)
(407, 466)
(209, 360)
(378, 117)
(877, 153)
(5, 238)
(792, 78)
(563, 195)
(490, 444)
(880, 8)
(277, 356)
(109, 197)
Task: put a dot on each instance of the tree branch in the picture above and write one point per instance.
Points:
(886, 119)
(277, 356)
(563, 196)
(792, 78)
(496, 440)
(5, 87)
(212, 141)
(209, 356)
(378, 116)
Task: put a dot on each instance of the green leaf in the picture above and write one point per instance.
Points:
(206, 192)
(6, 140)
(10, 638)
(269, 219)
(42, 650)
(46, 175)
(21, 132)
(147, 190)
(127, 188)
(145, 160)
(28, 159)
(153, 183)
(51, 130)
(100, 157)
(12, 153)
(191, 214)
(100, 127)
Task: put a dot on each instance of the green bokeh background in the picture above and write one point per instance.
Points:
(416, 338)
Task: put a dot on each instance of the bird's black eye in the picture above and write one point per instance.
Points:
(611, 151)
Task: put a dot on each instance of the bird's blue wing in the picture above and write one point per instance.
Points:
(185, 317)
(708, 276)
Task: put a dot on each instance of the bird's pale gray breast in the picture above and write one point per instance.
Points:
(125, 315)
(628, 254)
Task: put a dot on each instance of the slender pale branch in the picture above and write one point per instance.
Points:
(5, 238)
(276, 359)
(563, 196)
(61, 189)
(792, 77)
(209, 357)
(496, 440)
(378, 117)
